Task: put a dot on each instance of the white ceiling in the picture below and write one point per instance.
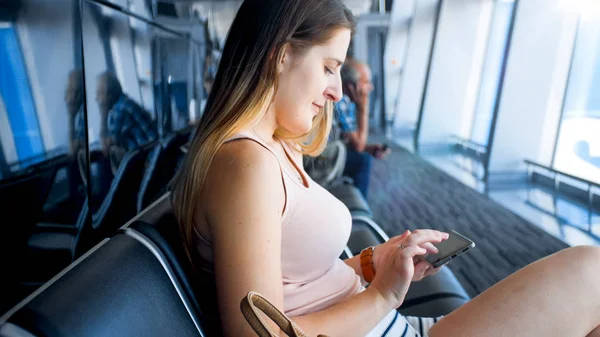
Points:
(359, 7)
(220, 14)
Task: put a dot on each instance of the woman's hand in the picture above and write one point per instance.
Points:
(394, 262)
(423, 269)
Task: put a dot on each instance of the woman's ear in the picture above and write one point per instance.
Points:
(283, 57)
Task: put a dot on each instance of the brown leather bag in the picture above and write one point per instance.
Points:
(251, 307)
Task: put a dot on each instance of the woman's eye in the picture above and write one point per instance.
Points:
(328, 71)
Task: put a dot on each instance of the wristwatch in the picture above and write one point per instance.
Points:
(366, 264)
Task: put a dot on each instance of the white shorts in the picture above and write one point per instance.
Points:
(397, 325)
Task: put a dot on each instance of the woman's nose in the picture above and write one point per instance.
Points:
(334, 91)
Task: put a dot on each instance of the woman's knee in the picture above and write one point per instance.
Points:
(585, 262)
(585, 254)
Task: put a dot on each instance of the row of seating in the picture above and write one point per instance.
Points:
(35, 251)
(139, 282)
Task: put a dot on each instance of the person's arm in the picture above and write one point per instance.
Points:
(245, 202)
(354, 263)
(243, 208)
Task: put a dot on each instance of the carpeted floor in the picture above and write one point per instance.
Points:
(406, 192)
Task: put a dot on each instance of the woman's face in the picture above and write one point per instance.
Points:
(308, 80)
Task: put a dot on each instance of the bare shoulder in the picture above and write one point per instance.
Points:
(241, 171)
(244, 205)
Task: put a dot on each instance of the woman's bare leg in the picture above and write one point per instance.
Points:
(555, 296)
(595, 333)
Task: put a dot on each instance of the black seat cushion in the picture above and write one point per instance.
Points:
(352, 198)
(119, 205)
(435, 295)
(48, 253)
(53, 249)
(362, 236)
(160, 226)
(162, 165)
(121, 289)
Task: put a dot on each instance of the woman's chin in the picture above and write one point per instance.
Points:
(302, 129)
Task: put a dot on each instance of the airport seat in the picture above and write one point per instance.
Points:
(162, 165)
(122, 287)
(24, 192)
(54, 248)
(158, 226)
(119, 204)
(327, 168)
(365, 232)
(139, 283)
(435, 295)
(352, 198)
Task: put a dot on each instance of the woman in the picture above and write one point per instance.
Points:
(248, 211)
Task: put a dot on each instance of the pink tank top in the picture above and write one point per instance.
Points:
(315, 229)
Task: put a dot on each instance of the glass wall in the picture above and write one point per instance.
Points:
(41, 129)
(491, 74)
(91, 98)
(578, 146)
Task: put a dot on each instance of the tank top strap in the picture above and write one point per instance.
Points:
(254, 137)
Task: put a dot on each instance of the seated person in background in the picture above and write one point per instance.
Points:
(74, 101)
(252, 220)
(128, 126)
(352, 116)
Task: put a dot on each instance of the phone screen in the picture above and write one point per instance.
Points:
(453, 245)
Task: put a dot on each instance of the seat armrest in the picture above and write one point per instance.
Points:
(435, 295)
(48, 227)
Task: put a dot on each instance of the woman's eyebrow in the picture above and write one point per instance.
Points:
(339, 63)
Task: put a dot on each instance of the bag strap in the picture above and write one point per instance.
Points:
(251, 306)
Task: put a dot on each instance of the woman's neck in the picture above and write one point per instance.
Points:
(266, 126)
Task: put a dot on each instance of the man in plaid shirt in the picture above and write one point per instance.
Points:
(351, 114)
(128, 125)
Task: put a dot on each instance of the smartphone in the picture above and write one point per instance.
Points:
(455, 245)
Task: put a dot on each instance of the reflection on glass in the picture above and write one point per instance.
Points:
(173, 58)
(121, 110)
(578, 146)
(210, 72)
(490, 77)
(139, 7)
(41, 130)
(76, 118)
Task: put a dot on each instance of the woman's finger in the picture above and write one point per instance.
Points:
(396, 239)
(432, 271)
(431, 249)
(421, 236)
(411, 251)
(421, 270)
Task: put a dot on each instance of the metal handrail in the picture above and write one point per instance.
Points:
(529, 162)
(467, 143)
(558, 173)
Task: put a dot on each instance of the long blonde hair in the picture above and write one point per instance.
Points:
(245, 84)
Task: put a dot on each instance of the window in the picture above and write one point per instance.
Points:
(492, 69)
(578, 145)
(16, 95)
